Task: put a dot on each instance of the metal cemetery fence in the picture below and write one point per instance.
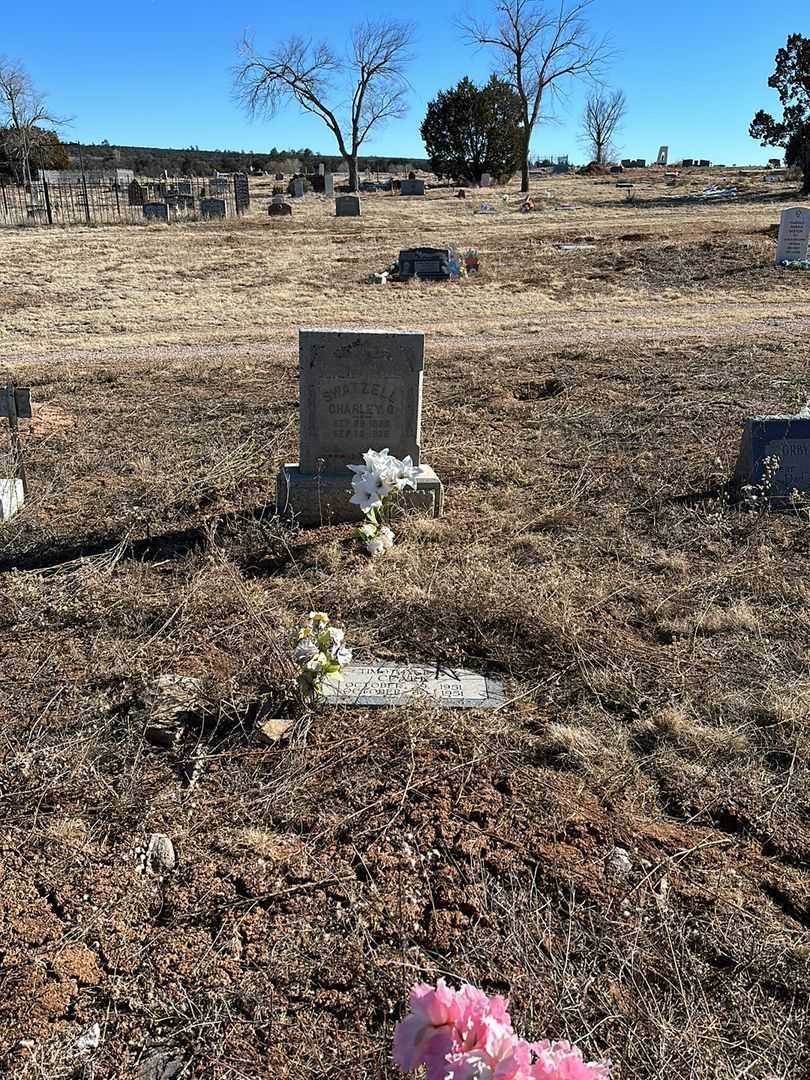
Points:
(82, 202)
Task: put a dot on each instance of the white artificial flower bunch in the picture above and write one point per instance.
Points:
(375, 486)
(319, 651)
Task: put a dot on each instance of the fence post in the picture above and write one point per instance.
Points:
(47, 195)
(236, 196)
(5, 200)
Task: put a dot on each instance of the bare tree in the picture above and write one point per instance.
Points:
(539, 49)
(601, 120)
(316, 78)
(22, 112)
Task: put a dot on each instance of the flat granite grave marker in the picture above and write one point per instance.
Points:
(359, 390)
(409, 684)
(347, 206)
(794, 233)
(412, 187)
(212, 208)
(784, 437)
(156, 211)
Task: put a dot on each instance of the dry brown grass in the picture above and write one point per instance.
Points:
(655, 647)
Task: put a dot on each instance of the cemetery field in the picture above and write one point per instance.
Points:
(622, 847)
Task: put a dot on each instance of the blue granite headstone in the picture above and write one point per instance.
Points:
(786, 438)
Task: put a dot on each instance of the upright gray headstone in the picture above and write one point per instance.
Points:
(298, 188)
(328, 185)
(412, 187)
(156, 211)
(794, 233)
(359, 390)
(347, 206)
(212, 208)
(663, 155)
(321, 169)
(486, 180)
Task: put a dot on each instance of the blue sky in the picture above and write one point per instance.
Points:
(156, 73)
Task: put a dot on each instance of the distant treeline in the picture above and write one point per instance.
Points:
(153, 160)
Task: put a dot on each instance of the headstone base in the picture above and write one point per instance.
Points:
(12, 496)
(324, 499)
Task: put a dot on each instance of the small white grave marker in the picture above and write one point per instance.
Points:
(794, 233)
(15, 404)
(408, 684)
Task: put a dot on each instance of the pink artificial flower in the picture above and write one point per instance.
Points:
(498, 1055)
(562, 1061)
(427, 1033)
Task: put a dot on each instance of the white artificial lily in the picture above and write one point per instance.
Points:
(404, 473)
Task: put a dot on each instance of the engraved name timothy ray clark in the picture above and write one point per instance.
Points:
(359, 390)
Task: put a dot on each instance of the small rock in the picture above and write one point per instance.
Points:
(89, 1040)
(160, 1065)
(270, 732)
(619, 862)
(160, 856)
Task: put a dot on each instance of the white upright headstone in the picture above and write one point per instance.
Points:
(794, 233)
(12, 496)
(663, 155)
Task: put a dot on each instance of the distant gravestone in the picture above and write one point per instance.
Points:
(218, 185)
(212, 208)
(486, 180)
(411, 684)
(663, 155)
(794, 233)
(784, 438)
(328, 185)
(184, 187)
(412, 187)
(156, 211)
(298, 188)
(241, 192)
(359, 390)
(433, 264)
(279, 209)
(347, 206)
(321, 169)
(135, 194)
